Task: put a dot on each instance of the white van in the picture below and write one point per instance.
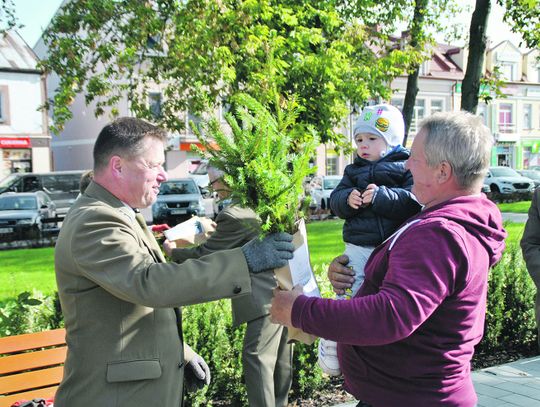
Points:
(61, 186)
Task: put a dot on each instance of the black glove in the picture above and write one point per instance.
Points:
(269, 253)
(196, 374)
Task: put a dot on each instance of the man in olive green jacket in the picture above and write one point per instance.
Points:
(125, 345)
(530, 246)
(266, 355)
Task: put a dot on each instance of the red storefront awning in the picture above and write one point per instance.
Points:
(15, 142)
(186, 145)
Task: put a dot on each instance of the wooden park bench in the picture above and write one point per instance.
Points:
(31, 365)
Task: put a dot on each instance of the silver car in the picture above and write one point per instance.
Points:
(26, 215)
(178, 200)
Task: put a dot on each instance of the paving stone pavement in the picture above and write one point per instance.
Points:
(509, 385)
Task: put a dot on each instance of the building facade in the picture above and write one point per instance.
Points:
(24, 135)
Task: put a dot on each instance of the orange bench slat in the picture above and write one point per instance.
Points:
(44, 393)
(32, 360)
(17, 343)
(31, 380)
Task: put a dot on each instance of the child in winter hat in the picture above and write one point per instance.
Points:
(373, 197)
(383, 120)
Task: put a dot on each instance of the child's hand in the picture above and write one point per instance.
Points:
(354, 200)
(367, 195)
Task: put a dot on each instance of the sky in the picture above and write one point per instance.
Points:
(36, 14)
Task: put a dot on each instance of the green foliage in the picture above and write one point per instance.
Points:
(523, 16)
(8, 19)
(29, 312)
(265, 159)
(201, 51)
(510, 319)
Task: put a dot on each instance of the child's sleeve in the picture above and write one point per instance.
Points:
(338, 197)
(396, 202)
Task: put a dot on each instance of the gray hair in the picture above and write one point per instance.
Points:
(462, 140)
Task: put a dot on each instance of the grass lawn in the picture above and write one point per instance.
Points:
(27, 269)
(515, 207)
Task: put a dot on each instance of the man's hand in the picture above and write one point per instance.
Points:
(269, 253)
(282, 303)
(168, 247)
(197, 374)
(340, 276)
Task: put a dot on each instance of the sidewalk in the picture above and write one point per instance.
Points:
(509, 385)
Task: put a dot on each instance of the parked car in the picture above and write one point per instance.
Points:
(178, 200)
(505, 181)
(25, 215)
(532, 174)
(200, 174)
(62, 186)
(321, 188)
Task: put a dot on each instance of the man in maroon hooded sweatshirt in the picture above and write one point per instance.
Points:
(408, 336)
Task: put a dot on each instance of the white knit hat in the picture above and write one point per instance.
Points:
(383, 120)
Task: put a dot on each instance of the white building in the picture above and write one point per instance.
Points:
(24, 135)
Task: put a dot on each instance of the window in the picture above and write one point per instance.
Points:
(418, 114)
(423, 69)
(397, 102)
(527, 116)
(437, 105)
(508, 70)
(506, 124)
(4, 105)
(331, 164)
(154, 104)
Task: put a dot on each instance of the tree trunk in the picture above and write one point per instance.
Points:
(410, 101)
(477, 49)
(417, 37)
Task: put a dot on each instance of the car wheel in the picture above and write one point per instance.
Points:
(496, 195)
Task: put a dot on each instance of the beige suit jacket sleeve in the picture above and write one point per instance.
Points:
(107, 250)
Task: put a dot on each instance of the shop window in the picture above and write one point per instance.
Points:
(4, 105)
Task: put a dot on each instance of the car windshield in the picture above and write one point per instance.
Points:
(330, 183)
(7, 181)
(504, 172)
(201, 169)
(178, 188)
(10, 203)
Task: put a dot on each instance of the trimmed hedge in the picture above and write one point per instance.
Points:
(510, 323)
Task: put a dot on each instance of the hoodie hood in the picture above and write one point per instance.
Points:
(478, 216)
